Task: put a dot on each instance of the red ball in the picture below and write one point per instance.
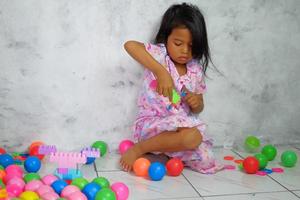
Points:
(251, 165)
(34, 151)
(174, 167)
(2, 151)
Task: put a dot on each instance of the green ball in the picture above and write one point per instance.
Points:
(241, 167)
(101, 146)
(105, 194)
(1, 167)
(288, 158)
(262, 159)
(102, 182)
(79, 182)
(269, 151)
(252, 143)
(31, 176)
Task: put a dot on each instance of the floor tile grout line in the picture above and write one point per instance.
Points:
(271, 178)
(191, 185)
(295, 194)
(247, 193)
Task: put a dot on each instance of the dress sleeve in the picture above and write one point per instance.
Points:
(200, 83)
(157, 51)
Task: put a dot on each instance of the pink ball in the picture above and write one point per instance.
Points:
(125, 145)
(121, 190)
(49, 179)
(50, 196)
(10, 176)
(33, 185)
(69, 190)
(14, 169)
(76, 196)
(13, 190)
(16, 181)
(44, 189)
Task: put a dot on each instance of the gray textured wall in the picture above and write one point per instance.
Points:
(64, 73)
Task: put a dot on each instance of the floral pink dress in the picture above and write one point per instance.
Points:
(156, 115)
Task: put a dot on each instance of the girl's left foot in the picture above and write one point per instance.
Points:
(129, 157)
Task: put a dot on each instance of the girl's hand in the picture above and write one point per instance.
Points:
(165, 84)
(195, 101)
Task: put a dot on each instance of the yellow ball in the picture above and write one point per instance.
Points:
(29, 195)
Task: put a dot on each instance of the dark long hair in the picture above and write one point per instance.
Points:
(189, 16)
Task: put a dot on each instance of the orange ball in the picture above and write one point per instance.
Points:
(36, 143)
(2, 174)
(141, 166)
(34, 151)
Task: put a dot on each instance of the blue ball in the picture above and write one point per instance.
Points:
(58, 185)
(90, 190)
(32, 164)
(90, 160)
(156, 171)
(6, 160)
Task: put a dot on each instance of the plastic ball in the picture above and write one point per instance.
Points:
(125, 145)
(49, 179)
(262, 159)
(2, 151)
(289, 158)
(34, 151)
(102, 146)
(31, 176)
(101, 181)
(29, 195)
(77, 196)
(79, 182)
(44, 189)
(174, 167)
(90, 160)
(6, 160)
(32, 164)
(16, 181)
(33, 185)
(50, 196)
(156, 171)
(58, 185)
(2, 174)
(106, 194)
(35, 143)
(251, 165)
(14, 169)
(269, 151)
(121, 190)
(141, 166)
(69, 190)
(14, 190)
(90, 190)
(252, 143)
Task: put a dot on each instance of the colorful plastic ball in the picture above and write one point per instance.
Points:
(69, 190)
(106, 194)
(49, 179)
(31, 176)
(262, 159)
(29, 195)
(90, 160)
(79, 182)
(16, 181)
(101, 146)
(90, 190)
(6, 160)
(34, 151)
(50, 196)
(2, 168)
(2, 151)
(121, 190)
(77, 196)
(251, 165)
(269, 151)
(2, 174)
(141, 166)
(35, 143)
(289, 158)
(33, 185)
(32, 164)
(44, 189)
(101, 181)
(58, 185)
(14, 169)
(125, 145)
(252, 143)
(156, 171)
(14, 190)
(174, 167)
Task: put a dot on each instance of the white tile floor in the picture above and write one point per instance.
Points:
(227, 184)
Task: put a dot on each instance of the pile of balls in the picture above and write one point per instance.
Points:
(252, 164)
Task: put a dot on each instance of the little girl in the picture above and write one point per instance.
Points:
(176, 62)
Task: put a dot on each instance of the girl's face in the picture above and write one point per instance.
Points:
(179, 45)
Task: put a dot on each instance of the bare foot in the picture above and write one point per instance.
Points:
(129, 157)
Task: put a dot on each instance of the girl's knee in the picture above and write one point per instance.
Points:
(192, 138)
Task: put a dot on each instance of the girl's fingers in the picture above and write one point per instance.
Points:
(170, 92)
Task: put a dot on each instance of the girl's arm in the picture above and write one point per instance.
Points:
(138, 52)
